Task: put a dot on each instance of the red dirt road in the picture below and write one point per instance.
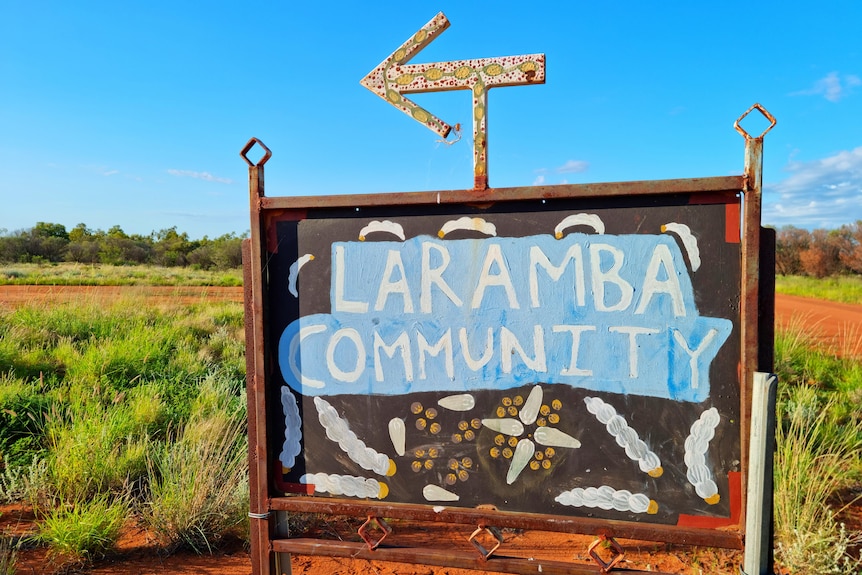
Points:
(835, 325)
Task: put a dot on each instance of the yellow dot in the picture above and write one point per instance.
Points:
(421, 424)
(420, 114)
(419, 453)
(433, 452)
(457, 438)
(452, 464)
(549, 452)
(494, 70)
(513, 441)
(390, 471)
(479, 112)
(399, 54)
(416, 408)
(534, 465)
(467, 462)
(657, 472)
(501, 412)
(529, 66)
(652, 508)
(383, 491)
(546, 464)
(434, 74)
(463, 475)
(451, 478)
(404, 79)
(507, 401)
(554, 418)
(478, 88)
(429, 464)
(476, 423)
(420, 36)
(544, 410)
(495, 452)
(507, 453)
(518, 400)
(430, 413)
(513, 411)
(469, 435)
(463, 425)
(557, 404)
(463, 71)
(393, 96)
(540, 455)
(435, 428)
(500, 439)
(541, 422)
(713, 499)
(416, 466)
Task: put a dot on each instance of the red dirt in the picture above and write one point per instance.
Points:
(137, 553)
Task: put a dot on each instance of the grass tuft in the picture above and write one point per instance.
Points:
(86, 530)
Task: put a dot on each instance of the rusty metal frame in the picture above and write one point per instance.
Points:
(266, 546)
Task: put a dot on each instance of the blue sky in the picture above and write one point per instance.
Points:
(133, 113)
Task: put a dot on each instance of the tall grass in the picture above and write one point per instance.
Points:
(819, 442)
(199, 479)
(124, 412)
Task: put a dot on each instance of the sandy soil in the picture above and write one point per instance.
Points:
(837, 325)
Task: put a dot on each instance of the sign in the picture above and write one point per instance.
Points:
(573, 358)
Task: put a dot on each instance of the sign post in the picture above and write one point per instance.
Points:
(573, 358)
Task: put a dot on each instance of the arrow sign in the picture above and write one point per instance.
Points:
(393, 78)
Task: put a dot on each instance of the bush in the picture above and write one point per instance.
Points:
(85, 530)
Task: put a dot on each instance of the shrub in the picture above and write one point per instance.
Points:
(84, 530)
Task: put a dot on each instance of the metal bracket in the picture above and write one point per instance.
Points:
(496, 535)
(247, 148)
(374, 522)
(606, 566)
(766, 115)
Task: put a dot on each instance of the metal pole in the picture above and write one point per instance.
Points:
(757, 558)
(260, 525)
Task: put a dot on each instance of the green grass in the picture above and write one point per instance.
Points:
(818, 454)
(844, 289)
(110, 275)
(127, 406)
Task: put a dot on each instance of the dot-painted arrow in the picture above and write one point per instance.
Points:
(393, 78)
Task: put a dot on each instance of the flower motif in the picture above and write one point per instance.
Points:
(514, 417)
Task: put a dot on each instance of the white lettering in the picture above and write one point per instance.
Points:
(434, 276)
(576, 331)
(402, 343)
(693, 355)
(509, 344)
(359, 348)
(538, 258)
(500, 279)
(600, 278)
(661, 257)
(342, 304)
(633, 346)
(443, 344)
(399, 286)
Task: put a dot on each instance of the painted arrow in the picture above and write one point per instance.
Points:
(393, 78)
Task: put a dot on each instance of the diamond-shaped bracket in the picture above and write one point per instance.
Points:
(248, 147)
(488, 532)
(766, 115)
(618, 551)
(380, 524)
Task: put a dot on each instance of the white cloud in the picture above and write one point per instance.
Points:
(824, 193)
(573, 167)
(832, 87)
(206, 176)
(539, 181)
(110, 172)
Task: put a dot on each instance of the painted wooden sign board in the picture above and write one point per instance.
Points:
(565, 356)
